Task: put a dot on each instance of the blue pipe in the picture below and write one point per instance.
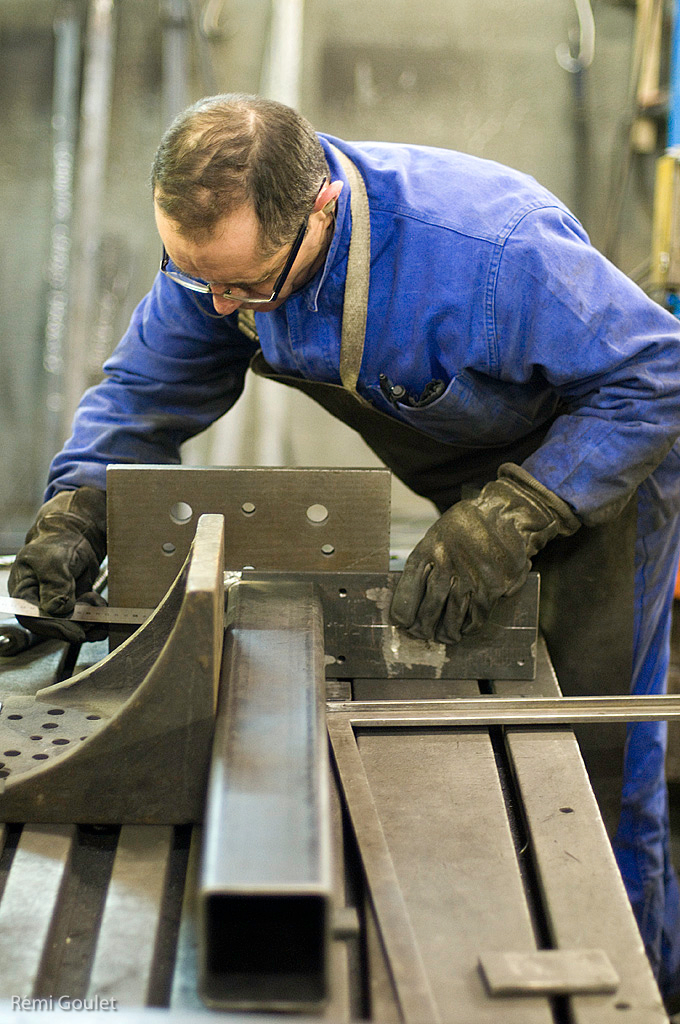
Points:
(673, 138)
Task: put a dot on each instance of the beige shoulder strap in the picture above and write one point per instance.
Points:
(355, 304)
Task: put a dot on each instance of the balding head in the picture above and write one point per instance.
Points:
(233, 150)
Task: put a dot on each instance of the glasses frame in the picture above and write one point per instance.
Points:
(205, 289)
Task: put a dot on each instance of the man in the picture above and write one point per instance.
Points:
(499, 351)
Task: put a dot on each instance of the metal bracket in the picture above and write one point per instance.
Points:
(126, 741)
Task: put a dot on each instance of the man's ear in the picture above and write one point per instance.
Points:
(328, 196)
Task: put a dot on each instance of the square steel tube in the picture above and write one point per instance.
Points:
(265, 879)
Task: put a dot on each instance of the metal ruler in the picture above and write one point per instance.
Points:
(80, 613)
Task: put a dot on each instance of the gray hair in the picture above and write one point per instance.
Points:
(228, 151)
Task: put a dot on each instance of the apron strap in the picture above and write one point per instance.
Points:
(355, 303)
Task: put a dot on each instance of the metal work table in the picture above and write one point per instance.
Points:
(446, 819)
(450, 844)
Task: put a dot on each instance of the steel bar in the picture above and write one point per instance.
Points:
(30, 903)
(183, 994)
(344, 999)
(265, 884)
(487, 711)
(406, 968)
(126, 947)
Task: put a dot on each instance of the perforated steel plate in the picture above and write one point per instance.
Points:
(276, 519)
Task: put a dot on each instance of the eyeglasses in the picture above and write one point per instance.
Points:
(241, 295)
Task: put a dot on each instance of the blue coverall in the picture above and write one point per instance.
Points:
(491, 310)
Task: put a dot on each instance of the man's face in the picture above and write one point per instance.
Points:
(231, 258)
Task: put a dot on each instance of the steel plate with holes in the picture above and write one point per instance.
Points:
(33, 732)
(292, 519)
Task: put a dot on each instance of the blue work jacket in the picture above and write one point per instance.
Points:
(489, 314)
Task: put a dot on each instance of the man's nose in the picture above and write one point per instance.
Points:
(223, 305)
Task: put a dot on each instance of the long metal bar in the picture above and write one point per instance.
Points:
(485, 711)
(265, 882)
(183, 994)
(408, 975)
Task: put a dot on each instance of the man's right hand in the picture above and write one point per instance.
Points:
(60, 560)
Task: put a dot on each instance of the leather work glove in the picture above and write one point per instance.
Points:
(479, 550)
(60, 561)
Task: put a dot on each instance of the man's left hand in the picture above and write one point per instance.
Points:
(478, 551)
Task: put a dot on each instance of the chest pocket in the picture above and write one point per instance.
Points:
(478, 412)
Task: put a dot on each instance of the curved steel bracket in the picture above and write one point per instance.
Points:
(128, 740)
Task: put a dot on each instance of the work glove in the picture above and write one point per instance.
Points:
(60, 561)
(479, 550)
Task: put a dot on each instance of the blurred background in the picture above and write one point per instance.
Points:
(572, 91)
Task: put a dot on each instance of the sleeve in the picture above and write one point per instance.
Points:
(564, 314)
(177, 369)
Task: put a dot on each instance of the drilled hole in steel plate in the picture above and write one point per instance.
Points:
(12, 753)
(327, 549)
(248, 508)
(168, 548)
(342, 592)
(36, 737)
(93, 718)
(40, 757)
(567, 810)
(317, 513)
(340, 659)
(15, 718)
(56, 711)
(181, 513)
(49, 725)
(4, 773)
(60, 742)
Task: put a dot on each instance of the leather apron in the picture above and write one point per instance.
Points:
(587, 580)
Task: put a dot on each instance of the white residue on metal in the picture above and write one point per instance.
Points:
(401, 650)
